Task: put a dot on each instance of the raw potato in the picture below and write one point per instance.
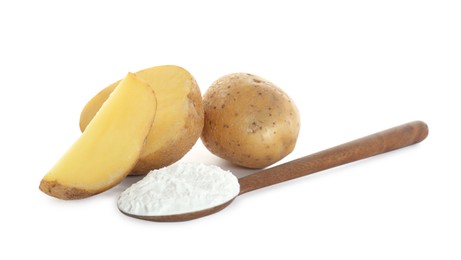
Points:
(110, 146)
(178, 122)
(249, 121)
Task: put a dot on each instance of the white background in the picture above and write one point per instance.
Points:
(352, 67)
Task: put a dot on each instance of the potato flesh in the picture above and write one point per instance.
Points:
(172, 89)
(179, 118)
(109, 148)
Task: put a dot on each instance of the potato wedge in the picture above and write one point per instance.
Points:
(179, 118)
(110, 146)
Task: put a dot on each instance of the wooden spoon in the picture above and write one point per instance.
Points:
(378, 143)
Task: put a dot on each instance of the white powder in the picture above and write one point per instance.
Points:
(179, 188)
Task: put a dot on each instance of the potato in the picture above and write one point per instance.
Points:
(110, 146)
(178, 122)
(249, 121)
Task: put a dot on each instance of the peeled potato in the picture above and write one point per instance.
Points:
(178, 122)
(249, 121)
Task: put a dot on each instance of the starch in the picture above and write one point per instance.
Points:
(179, 188)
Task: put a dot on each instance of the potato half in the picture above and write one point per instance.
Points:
(249, 121)
(178, 122)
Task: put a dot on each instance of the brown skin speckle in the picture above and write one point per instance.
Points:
(255, 119)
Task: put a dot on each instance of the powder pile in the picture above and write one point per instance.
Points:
(180, 188)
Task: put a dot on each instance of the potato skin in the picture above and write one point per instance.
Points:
(55, 189)
(249, 121)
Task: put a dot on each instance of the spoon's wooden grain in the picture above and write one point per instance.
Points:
(378, 143)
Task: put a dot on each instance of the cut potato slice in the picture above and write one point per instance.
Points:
(109, 148)
(178, 121)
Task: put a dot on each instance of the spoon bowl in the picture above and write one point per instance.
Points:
(371, 145)
(183, 216)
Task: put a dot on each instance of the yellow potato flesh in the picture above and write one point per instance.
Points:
(172, 90)
(109, 148)
(179, 118)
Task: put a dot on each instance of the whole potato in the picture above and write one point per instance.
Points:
(249, 121)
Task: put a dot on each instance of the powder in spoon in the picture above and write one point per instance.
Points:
(180, 188)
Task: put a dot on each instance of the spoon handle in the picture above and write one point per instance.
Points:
(378, 143)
